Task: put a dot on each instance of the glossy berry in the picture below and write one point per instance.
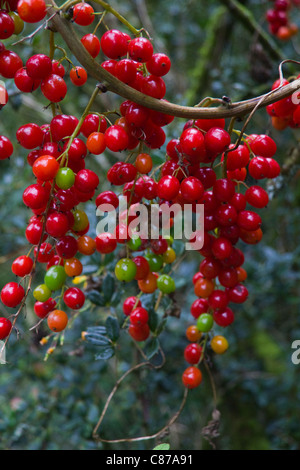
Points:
(6, 147)
(32, 11)
(205, 322)
(114, 44)
(22, 266)
(139, 316)
(140, 49)
(125, 270)
(192, 377)
(83, 14)
(39, 66)
(91, 44)
(219, 344)
(57, 320)
(74, 298)
(5, 327)
(139, 332)
(192, 353)
(12, 294)
(54, 88)
(78, 76)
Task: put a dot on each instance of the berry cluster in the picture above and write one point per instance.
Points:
(204, 165)
(285, 112)
(227, 219)
(279, 19)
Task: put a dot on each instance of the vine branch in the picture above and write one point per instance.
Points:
(95, 70)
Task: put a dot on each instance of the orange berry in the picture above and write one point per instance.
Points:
(149, 284)
(143, 163)
(86, 245)
(193, 334)
(57, 320)
(73, 267)
(219, 344)
(204, 287)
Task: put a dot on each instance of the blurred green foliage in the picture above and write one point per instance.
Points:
(55, 404)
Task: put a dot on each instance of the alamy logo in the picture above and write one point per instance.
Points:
(2, 353)
(3, 93)
(296, 355)
(150, 221)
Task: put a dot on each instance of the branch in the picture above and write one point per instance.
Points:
(246, 17)
(111, 83)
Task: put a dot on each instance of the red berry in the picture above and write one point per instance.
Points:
(32, 11)
(191, 377)
(74, 298)
(83, 14)
(12, 294)
(39, 66)
(5, 327)
(192, 353)
(22, 266)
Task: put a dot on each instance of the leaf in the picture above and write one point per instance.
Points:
(112, 328)
(96, 298)
(108, 287)
(116, 298)
(153, 320)
(97, 339)
(105, 354)
(162, 447)
(152, 348)
(161, 326)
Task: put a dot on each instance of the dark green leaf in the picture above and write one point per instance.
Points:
(105, 354)
(108, 287)
(112, 328)
(96, 298)
(152, 348)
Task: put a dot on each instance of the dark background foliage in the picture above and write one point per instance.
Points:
(55, 404)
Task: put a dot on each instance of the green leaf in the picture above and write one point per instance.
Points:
(105, 354)
(108, 287)
(161, 326)
(112, 328)
(162, 447)
(97, 339)
(96, 298)
(152, 348)
(153, 320)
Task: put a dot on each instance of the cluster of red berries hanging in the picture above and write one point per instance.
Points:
(203, 166)
(285, 112)
(279, 16)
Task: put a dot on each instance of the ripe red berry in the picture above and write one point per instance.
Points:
(217, 140)
(6, 147)
(130, 303)
(22, 266)
(159, 64)
(5, 327)
(30, 136)
(114, 44)
(140, 49)
(83, 14)
(168, 187)
(92, 44)
(12, 294)
(54, 88)
(74, 298)
(7, 26)
(192, 353)
(32, 11)
(139, 316)
(39, 66)
(192, 377)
